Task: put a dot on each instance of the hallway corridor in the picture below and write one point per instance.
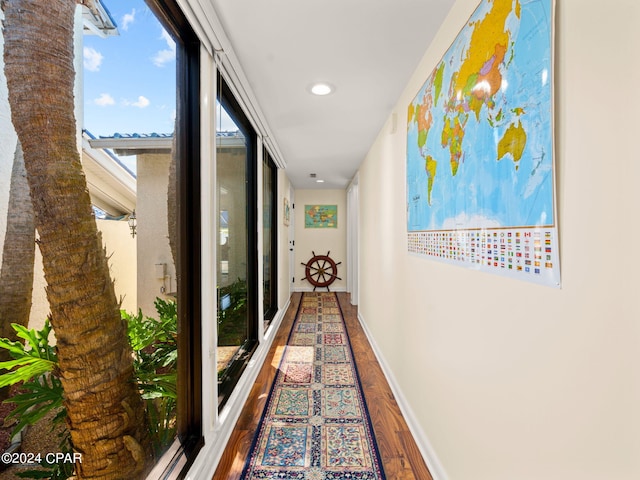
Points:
(399, 453)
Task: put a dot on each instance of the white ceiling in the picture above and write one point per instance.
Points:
(367, 49)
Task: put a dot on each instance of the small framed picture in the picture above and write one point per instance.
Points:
(287, 212)
(320, 216)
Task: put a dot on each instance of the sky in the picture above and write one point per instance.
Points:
(129, 79)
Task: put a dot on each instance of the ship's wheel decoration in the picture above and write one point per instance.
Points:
(321, 271)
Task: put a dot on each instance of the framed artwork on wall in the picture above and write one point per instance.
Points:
(320, 216)
(287, 212)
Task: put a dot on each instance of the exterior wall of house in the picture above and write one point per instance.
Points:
(232, 199)
(39, 302)
(122, 253)
(152, 239)
(320, 240)
(505, 379)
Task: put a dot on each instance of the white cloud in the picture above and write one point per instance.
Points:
(142, 102)
(128, 19)
(162, 57)
(92, 59)
(104, 100)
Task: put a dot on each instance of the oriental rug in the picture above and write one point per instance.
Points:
(315, 425)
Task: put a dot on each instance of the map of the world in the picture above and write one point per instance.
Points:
(480, 130)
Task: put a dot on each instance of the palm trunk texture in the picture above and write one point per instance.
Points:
(172, 201)
(105, 411)
(18, 255)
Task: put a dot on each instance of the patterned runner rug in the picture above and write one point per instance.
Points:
(316, 424)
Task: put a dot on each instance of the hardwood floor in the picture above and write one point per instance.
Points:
(400, 454)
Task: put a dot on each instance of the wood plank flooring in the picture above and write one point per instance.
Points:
(400, 454)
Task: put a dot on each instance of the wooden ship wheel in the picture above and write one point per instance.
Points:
(321, 271)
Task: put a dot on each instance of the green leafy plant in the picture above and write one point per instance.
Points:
(232, 323)
(34, 364)
(155, 358)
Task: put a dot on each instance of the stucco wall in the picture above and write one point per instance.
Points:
(320, 240)
(232, 199)
(509, 380)
(121, 250)
(152, 239)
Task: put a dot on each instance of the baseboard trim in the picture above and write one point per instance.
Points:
(310, 289)
(424, 445)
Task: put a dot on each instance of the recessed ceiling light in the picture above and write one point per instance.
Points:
(319, 181)
(321, 89)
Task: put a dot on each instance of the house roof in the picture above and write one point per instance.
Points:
(135, 143)
(139, 143)
(111, 184)
(97, 20)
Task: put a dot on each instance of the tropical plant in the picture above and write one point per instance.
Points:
(34, 363)
(155, 351)
(35, 366)
(93, 352)
(232, 325)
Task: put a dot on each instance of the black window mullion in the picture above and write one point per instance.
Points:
(272, 171)
(252, 238)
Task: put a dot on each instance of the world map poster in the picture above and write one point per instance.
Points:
(320, 216)
(480, 147)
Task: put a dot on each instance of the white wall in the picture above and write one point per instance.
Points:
(320, 240)
(509, 380)
(284, 282)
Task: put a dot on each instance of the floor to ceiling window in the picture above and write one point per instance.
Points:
(183, 221)
(155, 110)
(236, 257)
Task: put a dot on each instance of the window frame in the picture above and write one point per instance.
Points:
(270, 167)
(233, 108)
(180, 456)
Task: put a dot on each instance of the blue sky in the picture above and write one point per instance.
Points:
(129, 80)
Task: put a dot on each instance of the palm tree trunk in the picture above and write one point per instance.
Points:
(105, 411)
(172, 201)
(18, 255)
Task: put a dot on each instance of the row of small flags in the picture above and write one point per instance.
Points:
(527, 251)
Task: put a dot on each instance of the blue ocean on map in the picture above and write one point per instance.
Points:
(504, 174)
